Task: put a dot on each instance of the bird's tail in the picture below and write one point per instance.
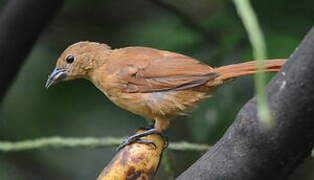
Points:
(248, 68)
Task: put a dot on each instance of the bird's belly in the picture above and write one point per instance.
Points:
(174, 103)
(164, 104)
(133, 102)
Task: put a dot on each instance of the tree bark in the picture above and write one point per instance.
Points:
(249, 150)
(21, 22)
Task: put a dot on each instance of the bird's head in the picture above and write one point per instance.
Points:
(77, 61)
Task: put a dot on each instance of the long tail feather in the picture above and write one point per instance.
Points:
(247, 68)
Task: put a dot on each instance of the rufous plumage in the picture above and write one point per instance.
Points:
(156, 84)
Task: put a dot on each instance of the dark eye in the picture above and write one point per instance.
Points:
(70, 59)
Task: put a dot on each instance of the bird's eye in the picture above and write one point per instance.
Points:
(70, 59)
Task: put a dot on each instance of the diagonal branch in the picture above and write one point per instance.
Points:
(21, 23)
(248, 150)
(188, 21)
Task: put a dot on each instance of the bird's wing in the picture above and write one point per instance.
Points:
(163, 71)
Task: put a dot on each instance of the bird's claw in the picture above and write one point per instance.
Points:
(137, 138)
(132, 139)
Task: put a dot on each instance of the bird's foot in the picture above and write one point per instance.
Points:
(137, 138)
(163, 136)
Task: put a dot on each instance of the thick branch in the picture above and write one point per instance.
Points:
(21, 22)
(250, 151)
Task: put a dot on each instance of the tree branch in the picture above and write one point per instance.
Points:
(248, 150)
(21, 23)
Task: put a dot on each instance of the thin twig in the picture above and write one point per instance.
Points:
(86, 142)
(187, 20)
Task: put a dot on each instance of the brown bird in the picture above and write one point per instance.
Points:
(156, 84)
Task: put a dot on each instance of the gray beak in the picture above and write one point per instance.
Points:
(56, 76)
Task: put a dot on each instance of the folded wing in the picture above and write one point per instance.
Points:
(164, 71)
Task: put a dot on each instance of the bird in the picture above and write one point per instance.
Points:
(156, 84)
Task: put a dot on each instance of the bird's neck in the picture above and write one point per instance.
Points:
(97, 61)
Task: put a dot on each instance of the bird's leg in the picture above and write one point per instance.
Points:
(164, 137)
(136, 138)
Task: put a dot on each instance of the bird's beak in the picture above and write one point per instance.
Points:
(56, 76)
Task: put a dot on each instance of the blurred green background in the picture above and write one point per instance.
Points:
(78, 109)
